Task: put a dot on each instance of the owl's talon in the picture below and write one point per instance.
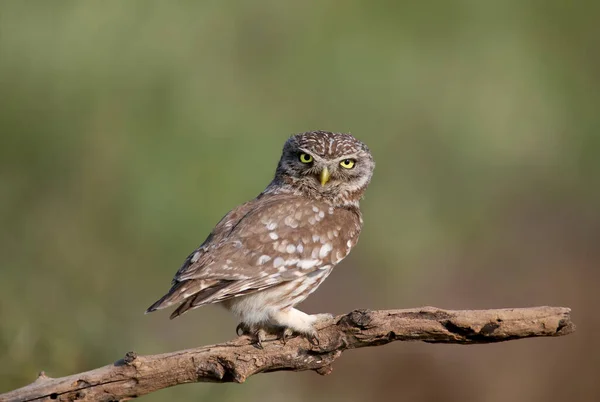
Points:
(241, 329)
(287, 334)
(261, 336)
(313, 338)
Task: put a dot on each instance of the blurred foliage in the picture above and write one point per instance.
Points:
(128, 128)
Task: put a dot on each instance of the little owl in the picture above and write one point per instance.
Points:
(267, 255)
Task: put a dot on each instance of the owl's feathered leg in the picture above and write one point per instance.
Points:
(296, 321)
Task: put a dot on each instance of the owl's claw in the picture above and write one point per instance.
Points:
(261, 335)
(287, 334)
(241, 329)
(313, 338)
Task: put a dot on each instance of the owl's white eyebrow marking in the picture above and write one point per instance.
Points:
(347, 156)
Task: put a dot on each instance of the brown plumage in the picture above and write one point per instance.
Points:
(267, 255)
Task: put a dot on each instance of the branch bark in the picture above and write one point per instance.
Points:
(237, 360)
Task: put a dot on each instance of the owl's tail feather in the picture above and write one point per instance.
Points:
(184, 291)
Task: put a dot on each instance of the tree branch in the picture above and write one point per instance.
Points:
(237, 360)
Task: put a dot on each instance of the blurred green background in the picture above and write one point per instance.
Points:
(128, 128)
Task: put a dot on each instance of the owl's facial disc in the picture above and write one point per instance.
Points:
(334, 167)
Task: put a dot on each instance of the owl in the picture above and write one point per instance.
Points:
(267, 255)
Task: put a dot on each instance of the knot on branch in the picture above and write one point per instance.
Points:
(358, 318)
(129, 357)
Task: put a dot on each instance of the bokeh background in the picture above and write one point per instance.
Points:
(128, 128)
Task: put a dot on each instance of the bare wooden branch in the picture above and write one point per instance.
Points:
(237, 360)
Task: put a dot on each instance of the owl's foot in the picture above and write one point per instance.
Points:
(317, 319)
(258, 335)
(296, 322)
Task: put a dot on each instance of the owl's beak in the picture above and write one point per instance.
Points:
(324, 177)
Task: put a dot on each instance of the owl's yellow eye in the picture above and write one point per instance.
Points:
(306, 158)
(348, 163)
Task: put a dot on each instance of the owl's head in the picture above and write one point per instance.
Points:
(333, 167)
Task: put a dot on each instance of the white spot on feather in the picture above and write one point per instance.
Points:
(307, 264)
(290, 249)
(291, 222)
(278, 262)
(325, 249)
(273, 235)
(263, 259)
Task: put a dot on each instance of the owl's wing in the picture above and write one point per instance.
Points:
(261, 244)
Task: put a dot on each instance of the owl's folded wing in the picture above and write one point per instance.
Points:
(261, 244)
